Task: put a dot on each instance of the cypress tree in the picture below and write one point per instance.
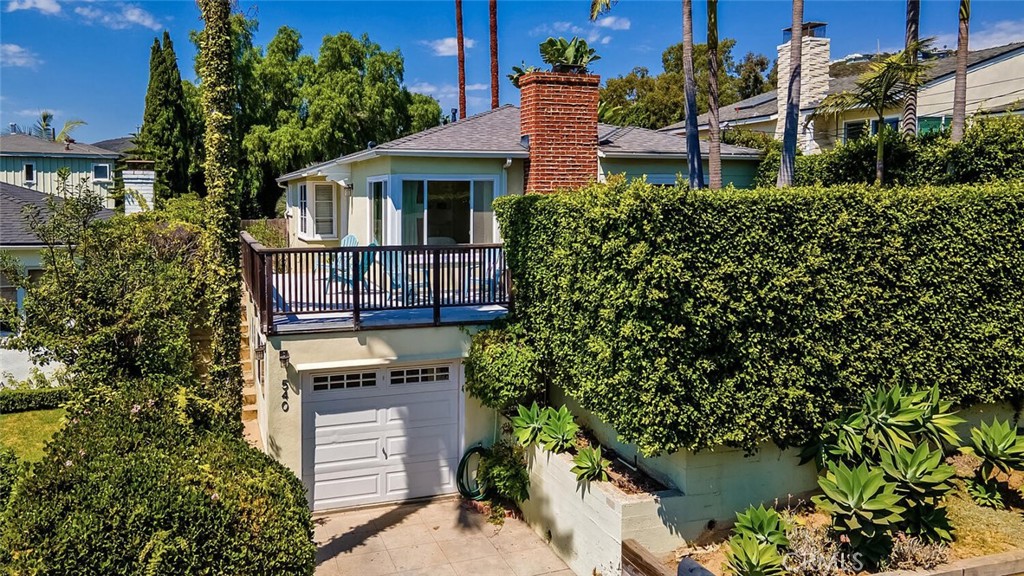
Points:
(164, 134)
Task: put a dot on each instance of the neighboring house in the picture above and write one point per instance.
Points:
(33, 162)
(355, 350)
(17, 239)
(136, 173)
(995, 85)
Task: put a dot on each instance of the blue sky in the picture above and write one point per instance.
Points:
(89, 59)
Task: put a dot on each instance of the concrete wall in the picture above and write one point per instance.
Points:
(12, 172)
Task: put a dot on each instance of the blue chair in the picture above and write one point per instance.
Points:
(339, 265)
(486, 281)
(402, 286)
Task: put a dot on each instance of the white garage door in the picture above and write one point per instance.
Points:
(381, 435)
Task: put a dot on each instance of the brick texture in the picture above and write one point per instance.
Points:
(559, 114)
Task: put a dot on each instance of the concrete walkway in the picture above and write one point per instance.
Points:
(434, 538)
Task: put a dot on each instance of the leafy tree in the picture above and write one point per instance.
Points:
(222, 222)
(165, 129)
(753, 79)
(424, 112)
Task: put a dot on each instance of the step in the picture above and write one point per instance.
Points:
(249, 396)
(249, 413)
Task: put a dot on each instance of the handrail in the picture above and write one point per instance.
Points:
(353, 280)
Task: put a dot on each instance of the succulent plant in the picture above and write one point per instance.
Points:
(863, 507)
(559, 431)
(527, 426)
(920, 475)
(999, 446)
(590, 465)
(747, 556)
(763, 524)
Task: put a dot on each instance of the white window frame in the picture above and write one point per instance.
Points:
(397, 185)
(35, 175)
(307, 211)
(370, 181)
(109, 175)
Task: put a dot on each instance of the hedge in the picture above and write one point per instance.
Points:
(134, 486)
(693, 319)
(25, 399)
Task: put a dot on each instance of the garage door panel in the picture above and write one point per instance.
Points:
(351, 417)
(424, 413)
(350, 490)
(424, 445)
(360, 452)
(419, 479)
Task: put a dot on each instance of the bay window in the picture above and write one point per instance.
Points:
(316, 216)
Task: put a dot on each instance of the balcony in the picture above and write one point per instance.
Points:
(374, 287)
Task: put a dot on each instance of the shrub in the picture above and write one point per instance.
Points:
(10, 470)
(863, 507)
(132, 486)
(813, 552)
(265, 234)
(501, 368)
(692, 319)
(503, 471)
(910, 553)
(23, 400)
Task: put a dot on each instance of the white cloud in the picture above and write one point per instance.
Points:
(613, 23)
(35, 112)
(120, 16)
(447, 46)
(44, 6)
(14, 56)
(987, 35)
(477, 87)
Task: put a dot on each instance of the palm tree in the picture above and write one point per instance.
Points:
(883, 87)
(909, 121)
(788, 164)
(696, 171)
(715, 148)
(960, 83)
(44, 125)
(494, 53)
(696, 167)
(461, 42)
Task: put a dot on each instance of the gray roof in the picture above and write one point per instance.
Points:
(765, 104)
(119, 145)
(495, 134)
(27, 145)
(13, 201)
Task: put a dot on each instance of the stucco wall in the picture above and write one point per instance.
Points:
(12, 172)
(998, 82)
(739, 173)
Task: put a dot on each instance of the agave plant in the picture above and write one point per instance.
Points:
(527, 426)
(985, 493)
(999, 447)
(863, 506)
(747, 556)
(938, 423)
(568, 55)
(762, 524)
(590, 465)
(519, 71)
(888, 418)
(559, 430)
(930, 523)
(919, 475)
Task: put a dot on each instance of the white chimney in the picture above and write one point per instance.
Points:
(814, 64)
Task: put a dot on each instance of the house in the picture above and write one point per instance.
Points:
(357, 331)
(32, 162)
(17, 239)
(995, 84)
(136, 174)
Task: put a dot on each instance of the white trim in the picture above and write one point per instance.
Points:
(308, 216)
(370, 181)
(109, 177)
(35, 175)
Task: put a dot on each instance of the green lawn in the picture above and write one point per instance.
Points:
(26, 432)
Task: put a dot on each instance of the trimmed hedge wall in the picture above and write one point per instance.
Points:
(693, 319)
(134, 485)
(23, 400)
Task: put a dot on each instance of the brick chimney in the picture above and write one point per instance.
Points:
(814, 63)
(558, 121)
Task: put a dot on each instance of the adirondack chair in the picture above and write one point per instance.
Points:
(486, 282)
(402, 286)
(339, 266)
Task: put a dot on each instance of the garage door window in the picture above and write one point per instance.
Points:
(341, 381)
(417, 375)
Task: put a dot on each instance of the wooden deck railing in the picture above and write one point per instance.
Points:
(353, 280)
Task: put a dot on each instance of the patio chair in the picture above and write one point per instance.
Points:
(402, 286)
(487, 281)
(339, 265)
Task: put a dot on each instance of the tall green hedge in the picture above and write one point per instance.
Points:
(23, 400)
(693, 319)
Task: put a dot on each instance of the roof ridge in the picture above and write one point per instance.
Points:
(434, 129)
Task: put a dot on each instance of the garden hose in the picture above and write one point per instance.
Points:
(462, 476)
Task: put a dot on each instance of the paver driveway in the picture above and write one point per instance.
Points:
(433, 538)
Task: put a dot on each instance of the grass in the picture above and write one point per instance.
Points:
(26, 432)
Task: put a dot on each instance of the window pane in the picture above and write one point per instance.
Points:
(324, 209)
(929, 124)
(377, 195)
(30, 173)
(854, 130)
(303, 209)
(447, 212)
(483, 214)
(101, 172)
(412, 211)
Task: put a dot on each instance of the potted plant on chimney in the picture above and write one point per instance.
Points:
(568, 56)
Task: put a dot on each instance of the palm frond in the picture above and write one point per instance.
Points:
(598, 7)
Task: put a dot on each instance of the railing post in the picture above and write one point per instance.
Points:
(357, 275)
(268, 292)
(436, 281)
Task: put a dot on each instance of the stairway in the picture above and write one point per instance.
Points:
(250, 414)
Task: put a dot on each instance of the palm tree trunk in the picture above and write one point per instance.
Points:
(880, 151)
(461, 41)
(715, 148)
(495, 101)
(960, 83)
(788, 164)
(696, 165)
(908, 123)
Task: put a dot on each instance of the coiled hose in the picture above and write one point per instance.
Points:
(462, 476)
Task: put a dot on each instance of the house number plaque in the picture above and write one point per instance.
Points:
(284, 395)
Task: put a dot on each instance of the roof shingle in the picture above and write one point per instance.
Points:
(28, 145)
(14, 231)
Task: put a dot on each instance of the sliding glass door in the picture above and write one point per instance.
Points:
(444, 212)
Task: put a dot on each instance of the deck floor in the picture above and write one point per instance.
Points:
(381, 319)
